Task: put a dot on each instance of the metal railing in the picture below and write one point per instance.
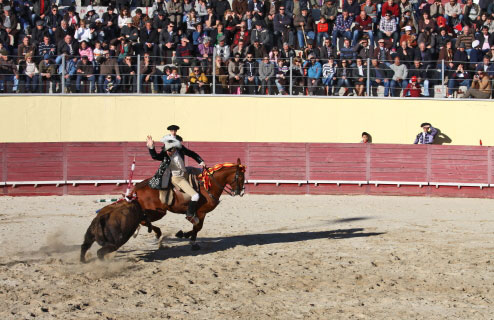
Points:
(248, 75)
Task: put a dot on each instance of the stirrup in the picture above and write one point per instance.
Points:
(192, 219)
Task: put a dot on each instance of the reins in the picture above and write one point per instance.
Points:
(230, 190)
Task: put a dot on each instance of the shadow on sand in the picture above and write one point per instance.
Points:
(210, 245)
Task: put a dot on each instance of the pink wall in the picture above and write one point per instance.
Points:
(265, 161)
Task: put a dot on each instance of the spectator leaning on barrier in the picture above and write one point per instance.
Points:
(427, 135)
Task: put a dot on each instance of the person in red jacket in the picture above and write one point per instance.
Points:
(391, 6)
(414, 88)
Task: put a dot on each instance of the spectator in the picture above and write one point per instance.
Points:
(222, 50)
(344, 79)
(251, 79)
(352, 7)
(85, 71)
(458, 78)
(260, 35)
(198, 81)
(481, 87)
(364, 50)
(46, 47)
(281, 77)
(363, 27)
(25, 48)
(347, 52)
(266, 75)
(39, 32)
(48, 73)
(379, 76)
(392, 8)
(185, 57)
(330, 11)
(322, 30)
(305, 27)
(171, 81)
(235, 73)
(148, 74)
(68, 73)
(314, 72)
(359, 75)
(381, 53)
(329, 75)
(399, 76)
(108, 67)
(420, 72)
(30, 73)
(405, 53)
(128, 72)
(221, 74)
(387, 28)
(452, 12)
(413, 89)
(471, 13)
(427, 135)
(53, 20)
(168, 41)
(342, 27)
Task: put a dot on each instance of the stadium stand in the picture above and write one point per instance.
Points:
(293, 47)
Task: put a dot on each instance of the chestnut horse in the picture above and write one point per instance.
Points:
(154, 209)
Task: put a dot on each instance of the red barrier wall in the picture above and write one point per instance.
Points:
(368, 163)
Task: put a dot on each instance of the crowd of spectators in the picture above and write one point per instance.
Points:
(320, 47)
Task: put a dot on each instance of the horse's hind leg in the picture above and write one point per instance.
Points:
(88, 242)
(107, 248)
(157, 231)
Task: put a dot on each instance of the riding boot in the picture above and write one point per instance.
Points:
(191, 213)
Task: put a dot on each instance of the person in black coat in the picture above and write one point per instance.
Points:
(149, 39)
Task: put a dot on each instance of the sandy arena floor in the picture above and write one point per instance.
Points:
(262, 257)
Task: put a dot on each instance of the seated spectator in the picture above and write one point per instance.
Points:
(258, 51)
(452, 12)
(47, 74)
(109, 85)
(322, 30)
(82, 33)
(441, 39)
(29, 73)
(198, 81)
(329, 75)
(343, 79)
(471, 13)
(380, 75)
(325, 51)
(266, 75)
(419, 71)
(240, 48)
(314, 72)
(221, 74)
(149, 39)
(392, 8)
(342, 28)
(465, 38)
(171, 81)
(481, 87)
(62, 31)
(485, 39)
(24, 48)
(128, 72)
(185, 57)
(72, 17)
(413, 89)
(460, 77)
(242, 34)
(85, 71)
(298, 76)
(387, 29)
(436, 9)
(282, 25)
(47, 47)
(405, 53)
(427, 135)
(353, 8)
(347, 52)
(39, 32)
(108, 67)
(381, 53)
(222, 49)
(423, 54)
(168, 42)
(329, 11)
(426, 23)
(359, 77)
(287, 52)
(199, 35)
(282, 75)
(251, 79)
(85, 50)
(399, 77)
(305, 27)
(409, 38)
(148, 74)
(235, 73)
(53, 20)
(68, 73)
(364, 50)
(363, 26)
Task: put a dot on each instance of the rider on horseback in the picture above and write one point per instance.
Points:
(173, 165)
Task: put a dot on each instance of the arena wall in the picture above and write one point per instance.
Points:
(241, 119)
(272, 168)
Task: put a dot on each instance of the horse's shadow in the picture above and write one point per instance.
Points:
(210, 245)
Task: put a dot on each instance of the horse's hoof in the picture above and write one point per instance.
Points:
(179, 234)
(187, 235)
(158, 234)
(195, 247)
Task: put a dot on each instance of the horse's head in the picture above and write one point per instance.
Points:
(238, 180)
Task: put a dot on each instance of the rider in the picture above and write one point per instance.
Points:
(172, 157)
(173, 131)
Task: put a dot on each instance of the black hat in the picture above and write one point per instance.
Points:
(173, 127)
(425, 124)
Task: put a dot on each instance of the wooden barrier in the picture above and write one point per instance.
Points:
(273, 168)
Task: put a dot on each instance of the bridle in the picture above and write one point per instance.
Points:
(237, 192)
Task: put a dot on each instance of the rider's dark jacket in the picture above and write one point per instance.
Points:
(162, 176)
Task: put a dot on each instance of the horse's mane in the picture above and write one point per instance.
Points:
(142, 184)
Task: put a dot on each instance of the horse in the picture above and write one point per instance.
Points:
(112, 227)
(215, 180)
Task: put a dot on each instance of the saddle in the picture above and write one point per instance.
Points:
(168, 195)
